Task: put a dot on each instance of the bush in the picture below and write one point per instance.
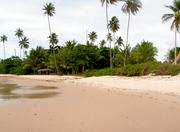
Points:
(101, 72)
(138, 70)
(167, 69)
(17, 70)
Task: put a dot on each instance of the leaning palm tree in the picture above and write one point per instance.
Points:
(4, 39)
(114, 27)
(92, 37)
(107, 3)
(19, 34)
(130, 7)
(175, 15)
(49, 10)
(24, 44)
(53, 40)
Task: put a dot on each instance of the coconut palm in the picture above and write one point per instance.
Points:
(49, 10)
(92, 37)
(24, 44)
(114, 27)
(102, 43)
(19, 34)
(119, 42)
(53, 40)
(130, 7)
(4, 39)
(107, 3)
(109, 37)
(175, 16)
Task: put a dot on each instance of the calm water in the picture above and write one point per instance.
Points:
(9, 91)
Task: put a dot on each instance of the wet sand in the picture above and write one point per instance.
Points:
(87, 107)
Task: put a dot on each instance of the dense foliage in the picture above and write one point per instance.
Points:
(89, 59)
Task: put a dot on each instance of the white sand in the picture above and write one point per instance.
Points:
(163, 84)
(94, 105)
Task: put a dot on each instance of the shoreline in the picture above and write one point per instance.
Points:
(83, 107)
(162, 84)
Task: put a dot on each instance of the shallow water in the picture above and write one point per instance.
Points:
(9, 91)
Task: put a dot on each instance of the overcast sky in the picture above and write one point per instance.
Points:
(74, 17)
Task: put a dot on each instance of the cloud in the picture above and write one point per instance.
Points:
(73, 18)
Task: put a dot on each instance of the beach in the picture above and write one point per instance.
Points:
(107, 104)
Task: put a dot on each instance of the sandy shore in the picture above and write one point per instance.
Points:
(108, 104)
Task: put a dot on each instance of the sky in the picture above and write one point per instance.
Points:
(75, 17)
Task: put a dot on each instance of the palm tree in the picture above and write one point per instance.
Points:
(114, 27)
(4, 39)
(107, 2)
(92, 37)
(175, 15)
(19, 34)
(24, 44)
(119, 42)
(102, 43)
(130, 7)
(53, 40)
(109, 37)
(49, 10)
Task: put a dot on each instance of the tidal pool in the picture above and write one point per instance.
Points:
(10, 91)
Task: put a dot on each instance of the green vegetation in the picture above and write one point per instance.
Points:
(95, 58)
(153, 68)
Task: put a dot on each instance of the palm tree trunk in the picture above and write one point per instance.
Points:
(107, 21)
(114, 47)
(49, 24)
(55, 62)
(4, 50)
(175, 49)
(127, 38)
(23, 53)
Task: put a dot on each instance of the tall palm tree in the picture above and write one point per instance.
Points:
(19, 34)
(24, 44)
(114, 27)
(175, 16)
(53, 40)
(130, 7)
(49, 10)
(92, 37)
(4, 39)
(107, 3)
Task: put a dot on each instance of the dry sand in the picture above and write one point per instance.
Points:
(97, 104)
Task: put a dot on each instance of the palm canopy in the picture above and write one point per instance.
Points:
(109, 37)
(92, 36)
(49, 9)
(19, 33)
(175, 15)
(131, 6)
(102, 43)
(24, 43)
(114, 24)
(4, 38)
(119, 41)
(53, 39)
(109, 2)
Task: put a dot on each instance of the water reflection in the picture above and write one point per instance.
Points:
(9, 91)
